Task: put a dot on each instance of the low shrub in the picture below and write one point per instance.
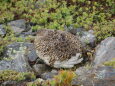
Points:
(58, 14)
(15, 76)
(104, 30)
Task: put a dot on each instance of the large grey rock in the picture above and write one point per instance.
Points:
(2, 31)
(18, 26)
(97, 76)
(105, 51)
(30, 50)
(17, 56)
(16, 61)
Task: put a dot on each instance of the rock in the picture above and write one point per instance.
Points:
(37, 82)
(24, 34)
(17, 57)
(105, 51)
(36, 4)
(2, 31)
(58, 48)
(16, 60)
(32, 56)
(73, 30)
(97, 76)
(83, 72)
(105, 72)
(9, 83)
(14, 83)
(88, 38)
(18, 26)
(41, 68)
(49, 75)
(30, 50)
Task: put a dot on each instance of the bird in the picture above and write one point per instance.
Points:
(58, 48)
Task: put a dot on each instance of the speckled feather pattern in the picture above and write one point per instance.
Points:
(58, 45)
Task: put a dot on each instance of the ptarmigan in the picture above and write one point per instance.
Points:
(59, 49)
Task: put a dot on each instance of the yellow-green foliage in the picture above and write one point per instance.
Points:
(110, 63)
(1, 47)
(64, 78)
(56, 14)
(6, 39)
(104, 30)
(16, 76)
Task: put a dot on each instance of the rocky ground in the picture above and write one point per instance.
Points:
(97, 70)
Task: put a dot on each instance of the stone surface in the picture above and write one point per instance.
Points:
(17, 56)
(2, 31)
(25, 34)
(14, 83)
(49, 75)
(83, 72)
(88, 38)
(73, 30)
(18, 26)
(36, 4)
(41, 68)
(30, 50)
(9, 83)
(59, 49)
(97, 76)
(105, 51)
(16, 60)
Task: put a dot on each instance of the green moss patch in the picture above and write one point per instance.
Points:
(110, 63)
(15, 76)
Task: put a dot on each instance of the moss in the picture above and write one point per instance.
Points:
(56, 14)
(110, 63)
(16, 76)
(104, 30)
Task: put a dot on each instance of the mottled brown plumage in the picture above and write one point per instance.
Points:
(56, 45)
